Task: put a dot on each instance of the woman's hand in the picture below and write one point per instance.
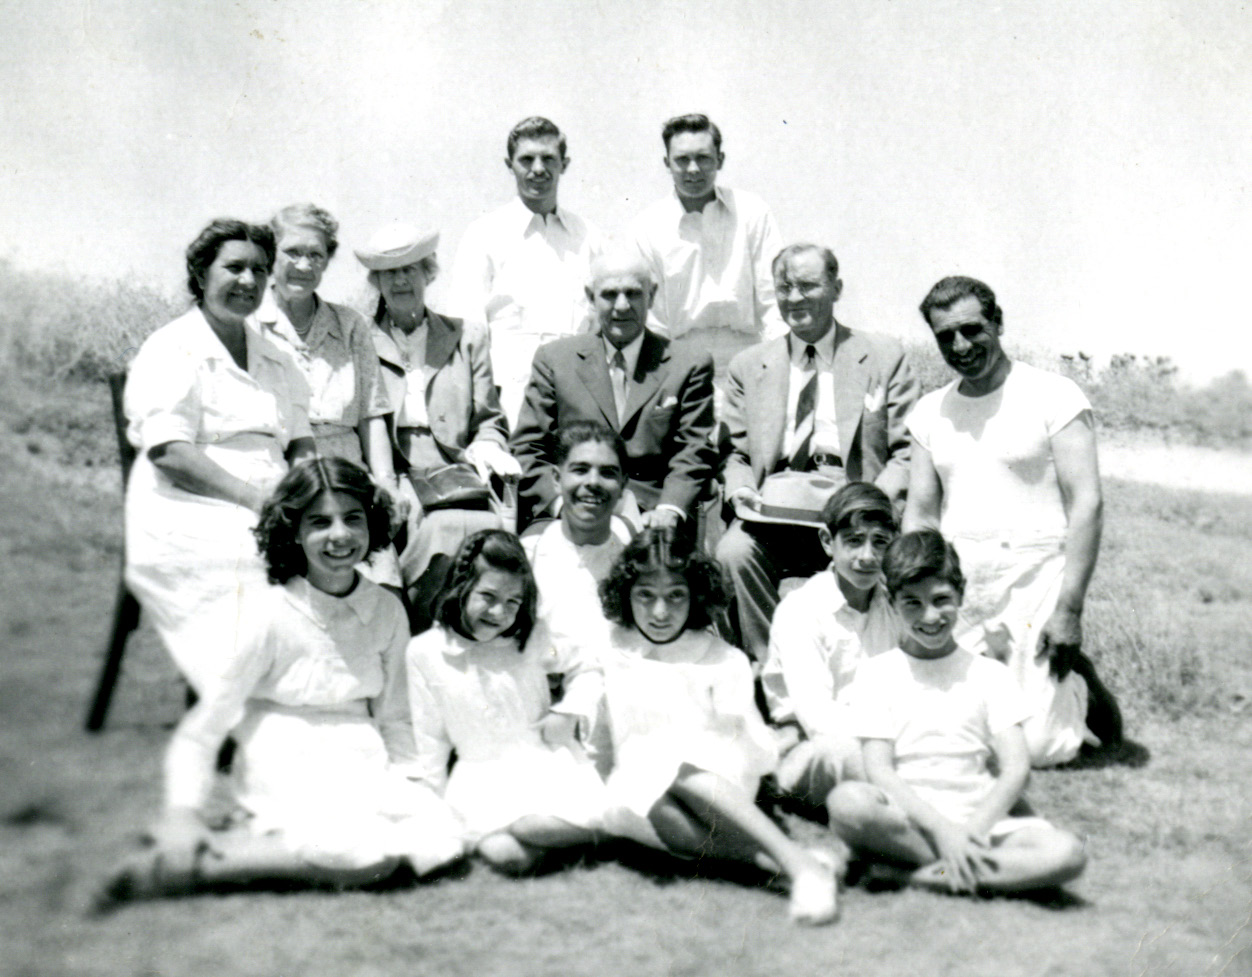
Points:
(488, 459)
(400, 506)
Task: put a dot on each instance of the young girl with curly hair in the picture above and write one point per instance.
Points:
(689, 745)
(312, 690)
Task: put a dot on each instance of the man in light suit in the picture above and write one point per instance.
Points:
(657, 398)
(822, 398)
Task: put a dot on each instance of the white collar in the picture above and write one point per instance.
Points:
(630, 353)
(528, 220)
(824, 348)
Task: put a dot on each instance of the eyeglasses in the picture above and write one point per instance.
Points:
(314, 258)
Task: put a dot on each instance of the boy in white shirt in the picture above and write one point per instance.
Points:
(820, 633)
(935, 721)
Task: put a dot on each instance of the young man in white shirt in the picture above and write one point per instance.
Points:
(522, 268)
(709, 249)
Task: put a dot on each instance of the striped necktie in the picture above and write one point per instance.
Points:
(806, 414)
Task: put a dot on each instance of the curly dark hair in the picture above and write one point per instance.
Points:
(497, 550)
(279, 525)
(202, 252)
(659, 549)
(918, 555)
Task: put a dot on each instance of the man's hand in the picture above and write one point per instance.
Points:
(662, 517)
(1061, 640)
(961, 854)
(745, 498)
(559, 729)
(181, 837)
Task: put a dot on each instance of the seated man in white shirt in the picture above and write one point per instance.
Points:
(821, 631)
(522, 268)
(709, 249)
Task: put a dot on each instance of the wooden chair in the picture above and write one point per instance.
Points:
(126, 607)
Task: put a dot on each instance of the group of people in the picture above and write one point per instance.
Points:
(323, 519)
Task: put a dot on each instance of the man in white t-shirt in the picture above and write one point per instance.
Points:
(522, 268)
(1004, 465)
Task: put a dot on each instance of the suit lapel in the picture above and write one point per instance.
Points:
(769, 400)
(593, 372)
(648, 375)
(849, 369)
(442, 336)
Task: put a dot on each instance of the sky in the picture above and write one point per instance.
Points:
(1089, 160)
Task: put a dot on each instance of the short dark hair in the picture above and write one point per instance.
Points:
(535, 127)
(279, 523)
(578, 432)
(202, 252)
(660, 549)
(311, 216)
(952, 289)
(859, 502)
(918, 555)
(498, 550)
(691, 122)
(791, 250)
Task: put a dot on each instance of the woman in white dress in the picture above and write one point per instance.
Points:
(215, 412)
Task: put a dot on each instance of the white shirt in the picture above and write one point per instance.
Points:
(825, 428)
(816, 643)
(713, 266)
(524, 272)
(942, 716)
(336, 357)
(412, 347)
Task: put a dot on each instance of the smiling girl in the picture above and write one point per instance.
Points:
(313, 692)
(689, 745)
(478, 686)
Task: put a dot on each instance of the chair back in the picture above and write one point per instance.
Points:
(125, 450)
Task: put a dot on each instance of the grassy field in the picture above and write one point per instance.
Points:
(1168, 890)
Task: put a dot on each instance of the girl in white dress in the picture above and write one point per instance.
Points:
(689, 745)
(313, 692)
(521, 782)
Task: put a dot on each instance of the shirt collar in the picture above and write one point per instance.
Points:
(528, 220)
(211, 348)
(319, 606)
(720, 196)
(825, 348)
(630, 352)
(271, 319)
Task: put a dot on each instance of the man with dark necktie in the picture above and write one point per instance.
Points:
(821, 399)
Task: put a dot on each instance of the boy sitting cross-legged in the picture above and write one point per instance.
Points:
(820, 634)
(935, 720)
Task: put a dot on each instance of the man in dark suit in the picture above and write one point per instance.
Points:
(822, 398)
(657, 398)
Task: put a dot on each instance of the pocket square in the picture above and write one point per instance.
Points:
(874, 399)
(667, 402)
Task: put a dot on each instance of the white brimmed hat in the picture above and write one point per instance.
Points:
(397, 245)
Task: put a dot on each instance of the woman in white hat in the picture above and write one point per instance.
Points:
(445, 407)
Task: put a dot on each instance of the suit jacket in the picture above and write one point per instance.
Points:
(667, 428)
(874, 390)
(461, 400)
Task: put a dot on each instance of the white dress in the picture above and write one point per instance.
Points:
(313, 689)
(484, 699)
(1003, 511)
(688, 702)
(189, 556)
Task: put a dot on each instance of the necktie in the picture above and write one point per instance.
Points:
(618, 376)
(806, 414)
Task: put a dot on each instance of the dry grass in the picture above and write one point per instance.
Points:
(1167, 891)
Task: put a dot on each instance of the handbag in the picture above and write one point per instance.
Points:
(455, 486)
